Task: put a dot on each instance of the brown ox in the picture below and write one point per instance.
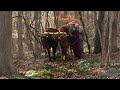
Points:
(63, 40)
(50, 40)
(66, 29)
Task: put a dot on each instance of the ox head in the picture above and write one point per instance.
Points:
(62, 36)
(64, 29)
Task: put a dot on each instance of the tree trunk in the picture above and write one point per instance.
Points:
(97, 43)
(28, 33)
(56, 13)
(108, 57)
(101, 32)
(36, 13)
(107, 34)
(20, 42)
(65, 13)
(103, 26)
(6, 66)
(46, 20)
(87, 41)
(40, 26)
(76, 14)
(114, 32)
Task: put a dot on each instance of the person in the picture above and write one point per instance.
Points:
(72, 28)
(81, 37)
(75, 39)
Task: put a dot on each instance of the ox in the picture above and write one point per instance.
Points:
(64, 44)
(51, 38)
(66, 29)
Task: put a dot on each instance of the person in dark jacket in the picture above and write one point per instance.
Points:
(75, 39)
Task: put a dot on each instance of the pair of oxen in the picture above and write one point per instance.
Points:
(52, 37)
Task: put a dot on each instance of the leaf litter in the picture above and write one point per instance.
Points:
(87, 68)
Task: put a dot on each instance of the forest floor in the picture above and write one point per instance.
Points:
(87, 68)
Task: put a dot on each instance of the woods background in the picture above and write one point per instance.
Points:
(21, 30)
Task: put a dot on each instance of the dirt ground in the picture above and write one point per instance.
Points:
(60, 69)
(111, 72)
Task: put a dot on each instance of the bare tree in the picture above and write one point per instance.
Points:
(101, 27)
(81, 19)
(65, 13)
(6, 66)
(114, 31)
(108, 57)
(97, 41)
(46, 20)
(76, 14)
(28, 33)
(20, 42)
(101, 30)
(36, 16)
(56, 13)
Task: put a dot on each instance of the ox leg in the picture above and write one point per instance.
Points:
(65, 54)
(45, 51)
(54, 52)
(64, 51)
(49, 54)
(71, 52)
